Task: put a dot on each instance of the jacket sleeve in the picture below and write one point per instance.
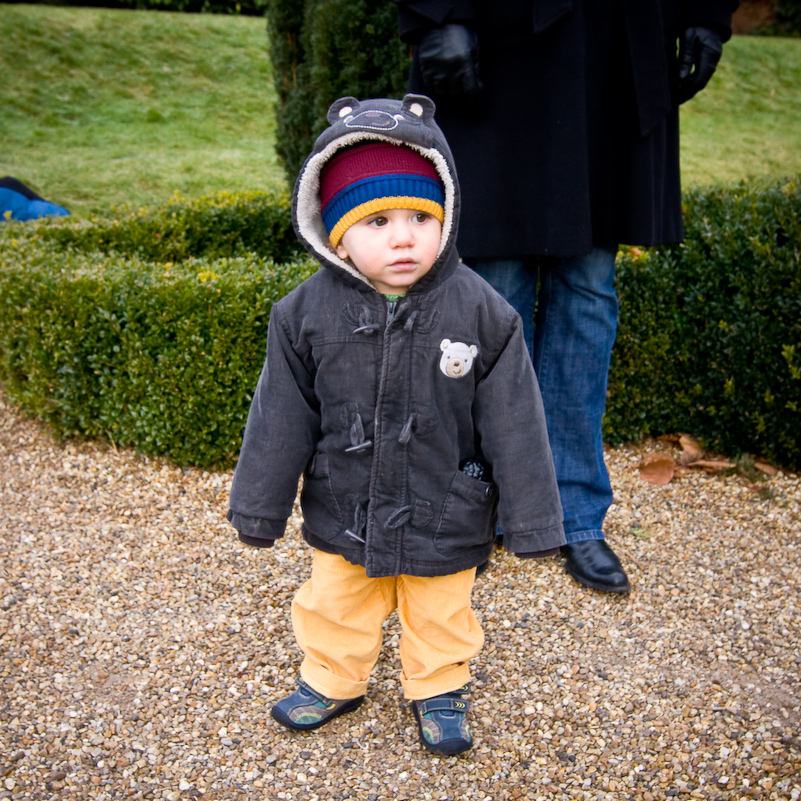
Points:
(713, 14)
(417, 16)
(510, 421)
(282, 428)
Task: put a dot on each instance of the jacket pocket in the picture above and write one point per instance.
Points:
(468, 515)
(321, 511)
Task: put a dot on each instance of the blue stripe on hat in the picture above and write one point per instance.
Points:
(379, 186)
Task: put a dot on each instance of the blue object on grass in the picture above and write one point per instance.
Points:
(24, 203)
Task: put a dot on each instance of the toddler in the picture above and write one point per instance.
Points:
(398, 384)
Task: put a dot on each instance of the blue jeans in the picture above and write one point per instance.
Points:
(570, 327)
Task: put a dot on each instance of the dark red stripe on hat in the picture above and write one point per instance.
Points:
(365, 161)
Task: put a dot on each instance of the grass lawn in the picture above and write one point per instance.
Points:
(101, 107)
(747, 122)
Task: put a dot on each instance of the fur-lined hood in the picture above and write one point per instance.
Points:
(409, 121)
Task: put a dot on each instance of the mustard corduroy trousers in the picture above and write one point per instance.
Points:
(338, 614)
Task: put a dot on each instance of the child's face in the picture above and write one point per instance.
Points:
(392, 248)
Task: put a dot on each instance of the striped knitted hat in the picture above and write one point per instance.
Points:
(375, 177)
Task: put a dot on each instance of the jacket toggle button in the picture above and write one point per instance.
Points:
(399, 517)
(358, 524)
(365, 326)
(357, 440)
(360, 446)
(368, 329)
(406, 431)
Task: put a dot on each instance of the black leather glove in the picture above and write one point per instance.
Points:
(699, 53)
(448, 58)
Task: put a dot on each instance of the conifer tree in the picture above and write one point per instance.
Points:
(325, 49)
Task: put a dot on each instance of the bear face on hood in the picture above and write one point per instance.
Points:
(408, 122)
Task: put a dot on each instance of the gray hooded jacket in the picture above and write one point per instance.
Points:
(379, 414)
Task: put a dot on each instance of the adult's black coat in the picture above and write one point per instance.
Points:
(576, 141)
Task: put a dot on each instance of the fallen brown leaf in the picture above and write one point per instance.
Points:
(691, 450)
(712, 464)
(767, 469)
(649, 458)
(657, 468)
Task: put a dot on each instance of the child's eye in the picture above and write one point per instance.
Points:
(421, 217)
(378, 221)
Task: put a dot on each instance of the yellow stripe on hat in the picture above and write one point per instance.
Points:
(383, 204)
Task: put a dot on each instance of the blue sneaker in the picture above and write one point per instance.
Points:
(442, 721)
(307, 709)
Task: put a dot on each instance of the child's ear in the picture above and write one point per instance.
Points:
(341, 252)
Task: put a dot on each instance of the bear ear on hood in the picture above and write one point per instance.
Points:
(419, 105)
(341, 108)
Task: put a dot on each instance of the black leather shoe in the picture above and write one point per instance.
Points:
(596, 565)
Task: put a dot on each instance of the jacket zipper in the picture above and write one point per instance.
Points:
(378, 433)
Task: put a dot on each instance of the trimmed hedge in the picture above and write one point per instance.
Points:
(225, 225)
(710, 330)
(150, 330)
(325, 49)
(157, 355)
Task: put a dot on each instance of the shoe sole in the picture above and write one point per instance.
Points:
(443, 749)
(281, 717)
(596, 585)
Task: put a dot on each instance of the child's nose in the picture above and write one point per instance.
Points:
(402, 234)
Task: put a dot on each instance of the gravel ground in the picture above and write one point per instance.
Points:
(141, 648)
